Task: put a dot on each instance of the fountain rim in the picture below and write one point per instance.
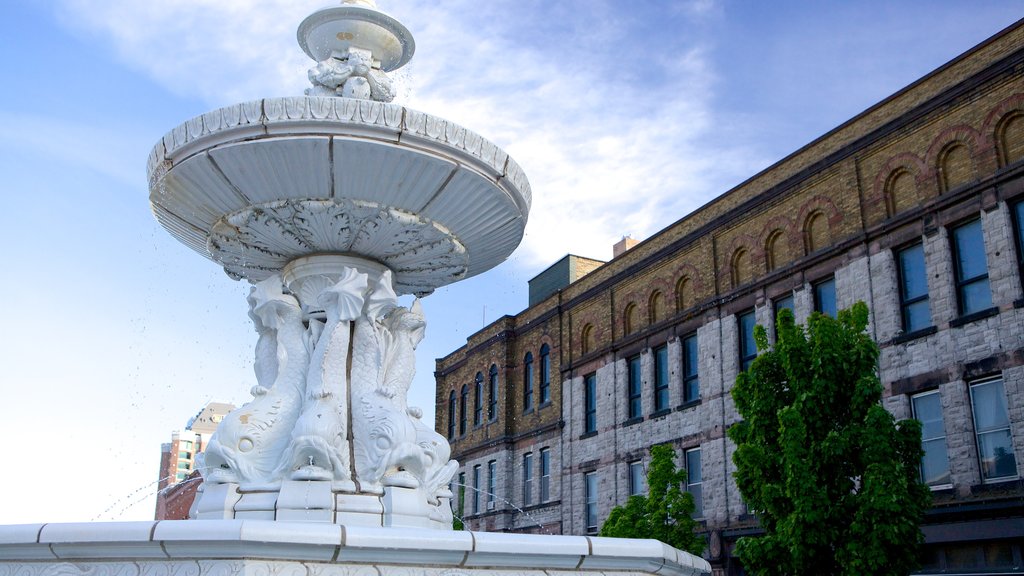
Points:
(298, 117)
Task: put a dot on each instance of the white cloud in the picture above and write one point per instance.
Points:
(608, 127)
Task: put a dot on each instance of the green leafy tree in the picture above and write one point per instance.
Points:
(665, 513)
(832, 477)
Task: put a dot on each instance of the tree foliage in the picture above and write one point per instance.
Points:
(665, 513)
(831, 475)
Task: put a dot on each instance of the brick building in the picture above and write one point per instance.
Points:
(179, 478)
(915, 206)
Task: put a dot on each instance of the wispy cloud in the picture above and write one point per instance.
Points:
(609, 125)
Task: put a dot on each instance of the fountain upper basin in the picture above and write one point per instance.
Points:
(256, 185)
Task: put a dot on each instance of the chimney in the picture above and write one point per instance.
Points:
(621, 246)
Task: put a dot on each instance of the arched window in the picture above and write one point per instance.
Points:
(777, 250)
(492, 393)
(545, 374)
(587, 339)
(1010, 138)
(528, 382)
(655, 307)
(478, 400)
(956, 167)
(451, 414)
(463, 401)
(900, 192)
(629, 319)
(816, 232)
(684, 294)
(741, 272)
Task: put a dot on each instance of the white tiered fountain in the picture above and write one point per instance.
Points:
(332, 205)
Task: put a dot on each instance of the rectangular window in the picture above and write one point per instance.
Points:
(462, 495)
(637, 481)
(476, 489)
(492, 394)
(992, 428)
(633, 365)
(451, 415)
(825, 297)
(691, 377)
(661, 378)
(591, 489)
(528, 382)
(528, 479)
(748, 348)
(478, 400)
(1018, 221)
(463, 400)
(782, 303)
(545, 375)
(492, 483)
(545, 474)
(927, 409)
(913, 290)
(694, 482)
(973, 294)
(590, 403)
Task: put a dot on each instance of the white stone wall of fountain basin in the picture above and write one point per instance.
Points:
(220, 548)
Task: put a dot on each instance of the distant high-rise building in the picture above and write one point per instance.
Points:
(178, 461)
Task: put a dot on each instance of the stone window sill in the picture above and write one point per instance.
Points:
(633, 421)
(997, 485)
(586, 435)
(914, 335)
(687, 405)
(661, 413)
(979, 315)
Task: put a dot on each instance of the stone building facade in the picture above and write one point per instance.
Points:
(915, 206)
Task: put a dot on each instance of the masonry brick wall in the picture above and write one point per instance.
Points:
(944, 151)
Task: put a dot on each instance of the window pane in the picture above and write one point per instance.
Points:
(784, 303)
(545, 475)
(691, 382)
(545, 374)
(825, 297)
(590, 401)
(916, 316)
(694, 481)
(997, 460)
(527, 478)
(975, 297)
(748, 348)
(913, 281)
(1018, 217)
(528, 382)
(634, 387)
(989, 406)
(935, 462)
(591, 488)
(660, 378)
(492, 482)
(636, 479)
(970, 250)
(991, 424)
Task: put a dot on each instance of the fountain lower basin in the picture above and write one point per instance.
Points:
(220, 547)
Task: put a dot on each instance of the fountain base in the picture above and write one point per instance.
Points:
(322, 501)
(201, 548)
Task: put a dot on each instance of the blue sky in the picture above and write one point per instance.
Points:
(624, 115)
